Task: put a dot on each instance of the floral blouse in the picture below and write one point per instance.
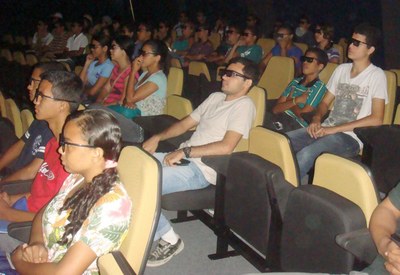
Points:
(103, 231)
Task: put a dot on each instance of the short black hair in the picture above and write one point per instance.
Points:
(372, 34)
(287, 27)
(322, 57)
(250, 68)
(126, 44)
(49, 66)
(65, 85)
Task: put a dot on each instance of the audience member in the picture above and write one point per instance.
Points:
(252, 21)
(128, 29)
(97, 68)
(302, 96)
(201, 18)
(324, 34)
(285, 47)
(246, 46)
(148, 93)
(42, 37)
(221, 121)
(183, 43)
(303, 33)
(116, 24)
(57, 96)
(221, 26)
(200, 49)
(359, 93)
(164, 33)
(91, 213)
(115, 89)
(178, 28)
(77, 43)
(143, 33)
(22, 160)
(58, 44)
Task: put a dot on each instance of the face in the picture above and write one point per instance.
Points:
(362, 51)
(251, 21)
(318, 34)
(248, 37)
(282, 35)
(148, 57)
(311, 67)
(232, 36)
(46, 108)
(201, 18)
(187, 30)
(76, 28)
(235, 84)
(183, 17)
(34, 83)
(142, 33)
(41, 26)
(58, 29)
(304, 24)
(116, 51)
(96, 48)
(75, 159)
(202, 33)
(162, 28)
(126, 31)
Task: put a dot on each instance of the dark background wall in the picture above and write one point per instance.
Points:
(19, 16)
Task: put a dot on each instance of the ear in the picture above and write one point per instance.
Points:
(371, 50)
(98, 154)
(248, 83)
(320, 67)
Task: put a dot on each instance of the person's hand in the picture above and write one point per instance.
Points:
(302, 98)
(172, 158)
(6, 198)
(283, 43)
(151, 144)
(137, 63)
(392, 256)
(241, 41)
(35, 253)
(89, 59)
(313, 129)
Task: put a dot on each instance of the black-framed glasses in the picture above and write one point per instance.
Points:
(356, 42)
(63, 143)
(307, 59)
(247, 34)
(280, 35)
(144, 53)
(34, 80)
(230, 31)
(38, 93)
(230, 73)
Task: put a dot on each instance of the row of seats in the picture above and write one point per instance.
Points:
(18, 56)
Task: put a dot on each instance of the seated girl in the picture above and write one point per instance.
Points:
(302, 95)
(148, 93)
(98, 67)
(91, 213)
(115, 88)
(323, 35)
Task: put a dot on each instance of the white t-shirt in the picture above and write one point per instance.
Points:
(217, 116)
(43, 41)
(75, 42)
(353, 96)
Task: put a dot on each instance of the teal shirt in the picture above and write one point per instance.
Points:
(253, 53)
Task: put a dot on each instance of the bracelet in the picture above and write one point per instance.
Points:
(294, 101)
(187, 151)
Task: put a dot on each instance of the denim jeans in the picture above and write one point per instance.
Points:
(176, 179)
(307, 149)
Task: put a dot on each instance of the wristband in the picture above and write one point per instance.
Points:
(294, 101)
(186, 151)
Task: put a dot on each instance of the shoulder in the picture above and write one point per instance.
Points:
(117, 198)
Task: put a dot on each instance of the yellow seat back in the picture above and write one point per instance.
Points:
(175, 63)
(327, 72)
(175, 81)
(197, 68)
(397, 116)
(349, 179)
(266, 44)
(20, 40)
(178, 106)
(3, 109)
(303, 46)
(215, 39)
(14, 116)
(391, 89)
(275, 147)
(31, 59)
(6, 54)
(141, 175)
(19, 57)
(26, 119)
(277, 75)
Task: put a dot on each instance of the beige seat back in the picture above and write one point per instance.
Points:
(275, 147)
(197, 68)
(391, 89)
(175, 81)
(215, 39)
(20, 40)
(397, 116)
(303, 46)
(277, 75)
(141, 175)
(327, 72)
(266, 44)
(257, 94)
(31, 59)
(175, 63)
(341, 52)
(178, 106)
(19, 57)
(14, 116)
(26, 119)
(349, 179)
(3, 109)
(6, 54)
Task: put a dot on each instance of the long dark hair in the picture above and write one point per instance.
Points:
(159, 48)
(101, 129)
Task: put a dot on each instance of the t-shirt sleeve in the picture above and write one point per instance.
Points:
(241, 118)
(106, 72)
(107, 224)
(394, 196)
(334, 80)
(84, 42)
(378, 86)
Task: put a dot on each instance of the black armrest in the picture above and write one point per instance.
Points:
(20, 231)
(16, 187)
(123, 263)
(359, 243)
(218, 163)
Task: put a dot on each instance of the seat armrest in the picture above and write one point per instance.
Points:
(20, 231)
(114, 263)
(218, 163)
(16, 187)
(359, 243)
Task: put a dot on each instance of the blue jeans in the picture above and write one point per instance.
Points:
(176, 179)
(307, 149)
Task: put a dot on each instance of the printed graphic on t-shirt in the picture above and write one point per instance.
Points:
(44, 169)
(36, 145)
(348, 102)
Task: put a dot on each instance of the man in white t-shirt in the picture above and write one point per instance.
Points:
(221, 121)
(77, 43)
(360, 93)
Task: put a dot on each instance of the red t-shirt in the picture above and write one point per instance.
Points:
(49, 178)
